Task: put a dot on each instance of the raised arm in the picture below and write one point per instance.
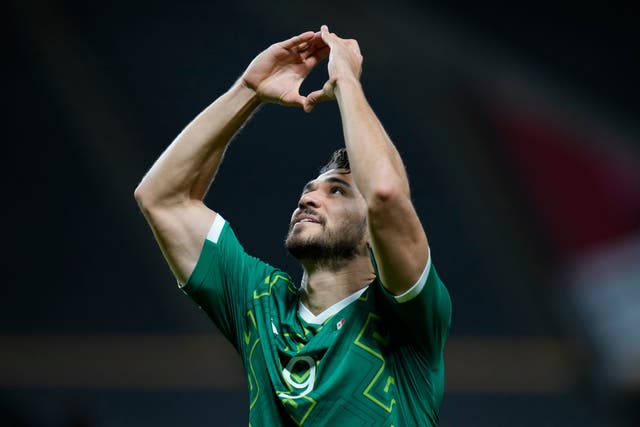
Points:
(398, 239)
(171, 193)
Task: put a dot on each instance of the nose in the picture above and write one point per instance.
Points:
(309, 199)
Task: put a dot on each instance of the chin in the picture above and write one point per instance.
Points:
(301, 245)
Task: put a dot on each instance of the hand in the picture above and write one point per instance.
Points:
(345, 63)
(277, 73)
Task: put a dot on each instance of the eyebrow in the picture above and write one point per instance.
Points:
(333, 180)
(309, 186)
(336, 180)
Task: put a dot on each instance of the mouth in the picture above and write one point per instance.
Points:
(305, 219)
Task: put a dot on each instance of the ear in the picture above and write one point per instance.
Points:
(366, 250)
(366, 238)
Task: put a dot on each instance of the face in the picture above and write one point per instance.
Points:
(330, 221)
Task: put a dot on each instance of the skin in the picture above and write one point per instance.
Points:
(171, 193)
(333, 200)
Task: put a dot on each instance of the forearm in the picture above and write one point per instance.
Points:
(397, 237)
(187, 167)
(376, 165)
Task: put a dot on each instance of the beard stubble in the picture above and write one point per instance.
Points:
(331, 247)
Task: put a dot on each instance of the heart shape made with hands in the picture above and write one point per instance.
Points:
(313, 52)
(277, 74)
(345, 62)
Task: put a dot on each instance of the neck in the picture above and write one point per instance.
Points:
(324, 284)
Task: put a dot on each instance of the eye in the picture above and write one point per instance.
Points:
(337, 190)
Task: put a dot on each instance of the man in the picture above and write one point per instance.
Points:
(360, 341)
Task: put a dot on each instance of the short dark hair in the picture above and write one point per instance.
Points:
(339, 160)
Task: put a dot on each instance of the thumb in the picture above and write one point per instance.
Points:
(312, 99)
(297, 100)
(324, 94)
(292, 98)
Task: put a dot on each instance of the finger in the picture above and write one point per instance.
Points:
(314, 45)
(303, 46)
(317, 56)
(296, 40)
(311, 50)
(326, 35)
(324, 94)
(312, 99)
(295, 100)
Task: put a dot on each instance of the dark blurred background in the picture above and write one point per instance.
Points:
(519, 127)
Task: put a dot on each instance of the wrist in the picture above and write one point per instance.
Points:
(345, 84)
(247, 94)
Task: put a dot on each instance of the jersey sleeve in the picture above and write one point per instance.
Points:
(223, 278)
(423, 312)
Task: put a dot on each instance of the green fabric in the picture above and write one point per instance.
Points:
(377, 362)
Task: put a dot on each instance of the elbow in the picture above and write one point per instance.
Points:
(386, 195)
(380, 202)
(139, 194)
(148, 204)
(153, 203)
(143, 198)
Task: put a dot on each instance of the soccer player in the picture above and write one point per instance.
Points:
(360, 341)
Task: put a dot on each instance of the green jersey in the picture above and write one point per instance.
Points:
(373, 359)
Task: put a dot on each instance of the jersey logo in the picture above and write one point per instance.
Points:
(339, 324)
(300, 374)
